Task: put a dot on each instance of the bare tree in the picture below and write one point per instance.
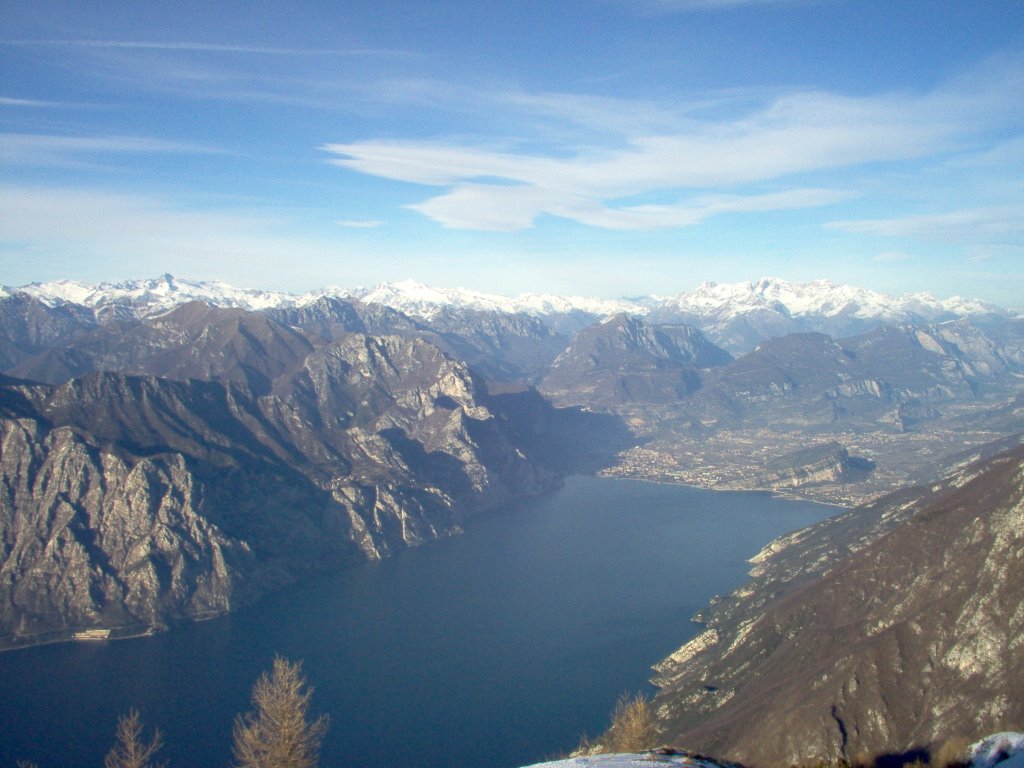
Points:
(632, 728)
(276, 734)
(129, 750)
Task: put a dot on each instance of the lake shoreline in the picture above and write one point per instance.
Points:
(521, 633)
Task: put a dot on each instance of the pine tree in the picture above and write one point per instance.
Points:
(129, 750)
(276, 734)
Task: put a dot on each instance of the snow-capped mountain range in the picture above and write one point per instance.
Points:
(820, 298)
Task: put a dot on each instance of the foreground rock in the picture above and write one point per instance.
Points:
(887, 629)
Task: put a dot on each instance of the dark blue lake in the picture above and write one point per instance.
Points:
(502, 645)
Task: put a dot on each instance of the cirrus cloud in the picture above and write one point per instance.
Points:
(48, 150)
(789, 150)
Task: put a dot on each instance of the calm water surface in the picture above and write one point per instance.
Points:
(502, 645)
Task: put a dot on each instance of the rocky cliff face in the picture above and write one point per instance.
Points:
(92, 539)
(886, 629)
(132, 501)
(828, 463)
(894, 376)
(624, 359)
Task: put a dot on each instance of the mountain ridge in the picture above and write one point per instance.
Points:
(733, 313)
(883, 630)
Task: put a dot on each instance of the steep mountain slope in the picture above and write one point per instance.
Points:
(192, 341)
(55, 343)
(133, 501)
(625, 359)
(502, 346)
(683, 398)
(895, 375)
(29, 327)
(886, 629)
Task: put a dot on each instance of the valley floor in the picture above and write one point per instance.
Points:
(740, 459)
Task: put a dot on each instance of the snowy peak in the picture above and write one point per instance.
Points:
(820, 298)
(149, 297)
(424, 301)
(155, 296)
(736, 316)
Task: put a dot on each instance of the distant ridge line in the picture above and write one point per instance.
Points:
(823, 298)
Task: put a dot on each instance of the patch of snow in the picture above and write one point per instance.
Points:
(425, 301)
(420, 300)
(818, 298)
(154, 296)
(1002, 750)
(644, 760)
(708, 302)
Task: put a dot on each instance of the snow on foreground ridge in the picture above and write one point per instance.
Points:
(1001, 750)
(644, 760)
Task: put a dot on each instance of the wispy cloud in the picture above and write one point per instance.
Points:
(69, 151)
(689, 6)
(6, 101)
(508, 208)
(966, 225)
(199, 47)
(320, 78)
(753, 160)
(122, 228)
(361, 223)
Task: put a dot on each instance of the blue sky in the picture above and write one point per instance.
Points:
(596, 147)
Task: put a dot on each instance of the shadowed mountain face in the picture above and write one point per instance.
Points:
(196, 340)
(735, 316)
(504, 347)
(894, 376)
(193, 341)
(886, 629)
(29, 327)
(624, 359)
(214, 454)
(500, 346)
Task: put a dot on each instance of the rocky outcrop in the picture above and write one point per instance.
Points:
(92, 539)
(827, 463)
(130, 502)
(886, 629)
